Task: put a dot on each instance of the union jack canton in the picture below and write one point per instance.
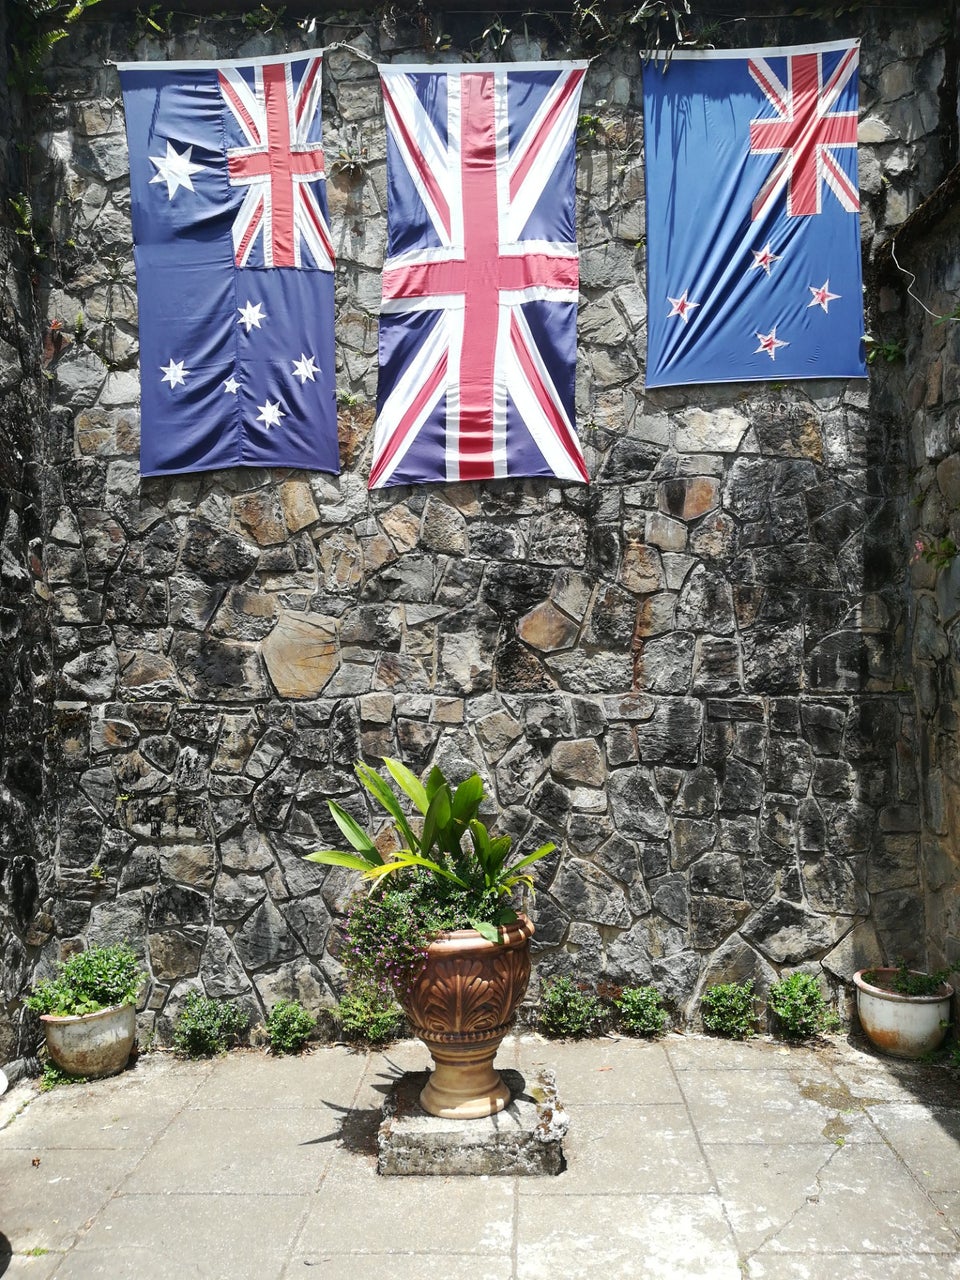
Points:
(480, 285)
(234, 264)
(753, 228)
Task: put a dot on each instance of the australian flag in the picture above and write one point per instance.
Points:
(479, 313)
(753, 229)
(234, 264)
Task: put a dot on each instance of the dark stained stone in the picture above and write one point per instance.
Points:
(788, 933)
(217, 556)
(637, 808)
(673, 735)
(176, 905)
(265, 938)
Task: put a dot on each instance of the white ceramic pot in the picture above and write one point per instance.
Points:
(903, 1026)
(93, 1044)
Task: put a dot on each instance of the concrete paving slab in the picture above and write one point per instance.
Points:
(400, 1266)
(203, 1235)
(772, 1109)
(644, 1237)
(870, 1076)
(762, 1188)
(851, 1267)
(45, 1205)
(254, 1079)
(694, 1053)
(20, 1267)
(613, 1070)
(360, 1212)
(866, 1202)
(629, 1149)
(239, 1152)
(927, 1140)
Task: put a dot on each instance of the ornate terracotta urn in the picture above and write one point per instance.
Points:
(461, 1006)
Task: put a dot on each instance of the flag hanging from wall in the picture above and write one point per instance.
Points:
(234, 264)
(753, 228)
(480, 284)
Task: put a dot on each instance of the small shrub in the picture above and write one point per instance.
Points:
(907, 982)
(206, 1027)
(799, 1006)
(568, 1011)
(366, 1014)
(97, 978)
(289, 1026)
(641, 1011)
(728, 1010)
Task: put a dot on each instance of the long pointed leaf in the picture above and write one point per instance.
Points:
(407, 860)
(380, 790)
(354, 833)
(408, 783)
(337, 858)
(466, 800)
(542, 852)
(435, 781)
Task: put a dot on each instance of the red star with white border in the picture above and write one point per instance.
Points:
(681, 306)
(822, 297)
(765, 257)
(769, 342)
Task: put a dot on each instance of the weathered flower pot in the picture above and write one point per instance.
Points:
(461, 1006)
(93, 1044)
(901, 1025)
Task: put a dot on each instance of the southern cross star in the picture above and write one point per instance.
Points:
(270, 414)
(174, 372)
(175, 169)
(681, 306)
(304, 368)
(822, 297)
(769, 342)
(231, 386)
(251, 315)
(765, 258)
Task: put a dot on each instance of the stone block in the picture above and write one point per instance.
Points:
(523, 1140)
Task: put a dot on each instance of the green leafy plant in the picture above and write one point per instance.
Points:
(97, 978)
(889, 351)
(51, 1077)
(448, 873)
(936, 551)
(728, 1010)
(35, 27)
(800, 1009)
(641, 1012)
(206, 1027)
(364, 1013)
(289, 1026)
(568, 1010)
(908, 982)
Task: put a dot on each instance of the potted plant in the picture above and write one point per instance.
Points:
(903, 1012)
(88, 1010)
(439, 930)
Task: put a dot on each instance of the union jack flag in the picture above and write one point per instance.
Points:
(480, 285)
(753, 238)
(234, 264)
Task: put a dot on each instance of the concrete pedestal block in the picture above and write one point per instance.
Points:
(525, 1139)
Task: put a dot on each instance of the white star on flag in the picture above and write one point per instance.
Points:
(304, 368)
(769, 342)
(764, 258)
(681, 306)
(251, 315)
(174, 372)
(231, 386)
(822, 297)
(175, 169)
(270, 414)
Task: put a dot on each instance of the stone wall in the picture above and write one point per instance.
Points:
(929, 386)
(688, 673)
(25, 686)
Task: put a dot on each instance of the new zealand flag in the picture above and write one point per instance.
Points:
(753, 228)
(234, 264)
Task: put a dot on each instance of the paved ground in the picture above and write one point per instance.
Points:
(690, 1157)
